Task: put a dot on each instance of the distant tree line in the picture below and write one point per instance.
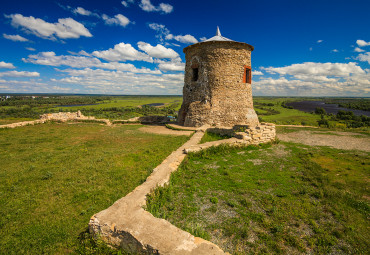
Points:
(48, 101)
(347, 117)
(266, 107)
(355, 104)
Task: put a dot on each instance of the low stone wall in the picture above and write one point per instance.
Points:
(65, 116)
(262, 133)
(23, 123)
(60, 116)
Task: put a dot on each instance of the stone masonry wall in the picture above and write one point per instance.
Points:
(219, 97)
(60, 116)
(262, 133)
(65, 116)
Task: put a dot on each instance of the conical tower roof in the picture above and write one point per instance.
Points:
(219, 40)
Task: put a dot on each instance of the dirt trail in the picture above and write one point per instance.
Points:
(162, 130)
(339, 140)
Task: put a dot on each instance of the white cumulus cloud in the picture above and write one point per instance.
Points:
(362, 43)
(172, 66)
(315, 79)
(118, 19)
(158, 51)
(127, 3)
(15, 38)
(257, 73)
(166, 8)
(6, 65)
(122, 52)
(64, 28)
(164, 33)
(19, 74)
(182, 38)
(357, 49)
(118, 82)
(147, 6)
(51, 59)
(320, 69)
(82, 11)
(365, 57)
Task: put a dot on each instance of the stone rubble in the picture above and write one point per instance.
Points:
(60, 116)
(242, 135)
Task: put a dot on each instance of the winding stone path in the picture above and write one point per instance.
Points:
(127, 225)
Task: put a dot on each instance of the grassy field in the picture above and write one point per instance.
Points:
(270, 110)
(279, 198)
(282, 198)
(133, 101)
(54, 177)
(108, 107)
(13, 120)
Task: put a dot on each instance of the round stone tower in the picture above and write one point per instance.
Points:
(217, 88)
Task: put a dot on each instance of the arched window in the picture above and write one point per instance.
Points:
(247, 74)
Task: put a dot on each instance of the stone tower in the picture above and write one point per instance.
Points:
(217, 88)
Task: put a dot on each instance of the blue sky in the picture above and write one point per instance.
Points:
(302, 48)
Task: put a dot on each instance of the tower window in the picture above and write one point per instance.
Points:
(195, 73)
(247, 75)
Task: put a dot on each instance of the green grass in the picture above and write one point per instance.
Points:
(125, 101)
(13, 120)
(210, 137)
(54, 177)
(283, 198)
(113, 108)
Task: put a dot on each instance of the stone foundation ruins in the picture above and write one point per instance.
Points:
(65, 116)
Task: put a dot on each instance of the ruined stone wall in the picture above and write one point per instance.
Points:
(60, 116)
(65, 116)
(262, 133)
(219, 97)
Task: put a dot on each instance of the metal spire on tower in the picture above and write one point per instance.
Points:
(218, 33)
(218, 37)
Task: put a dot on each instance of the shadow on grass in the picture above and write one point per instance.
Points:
(88, 245)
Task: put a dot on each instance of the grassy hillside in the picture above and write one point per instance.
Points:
(282, 198)
(54, 177)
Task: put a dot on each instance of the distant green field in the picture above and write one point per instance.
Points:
(108, 107)
(132, 101)
(284, 115)
(54, 177)
(269, 109)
